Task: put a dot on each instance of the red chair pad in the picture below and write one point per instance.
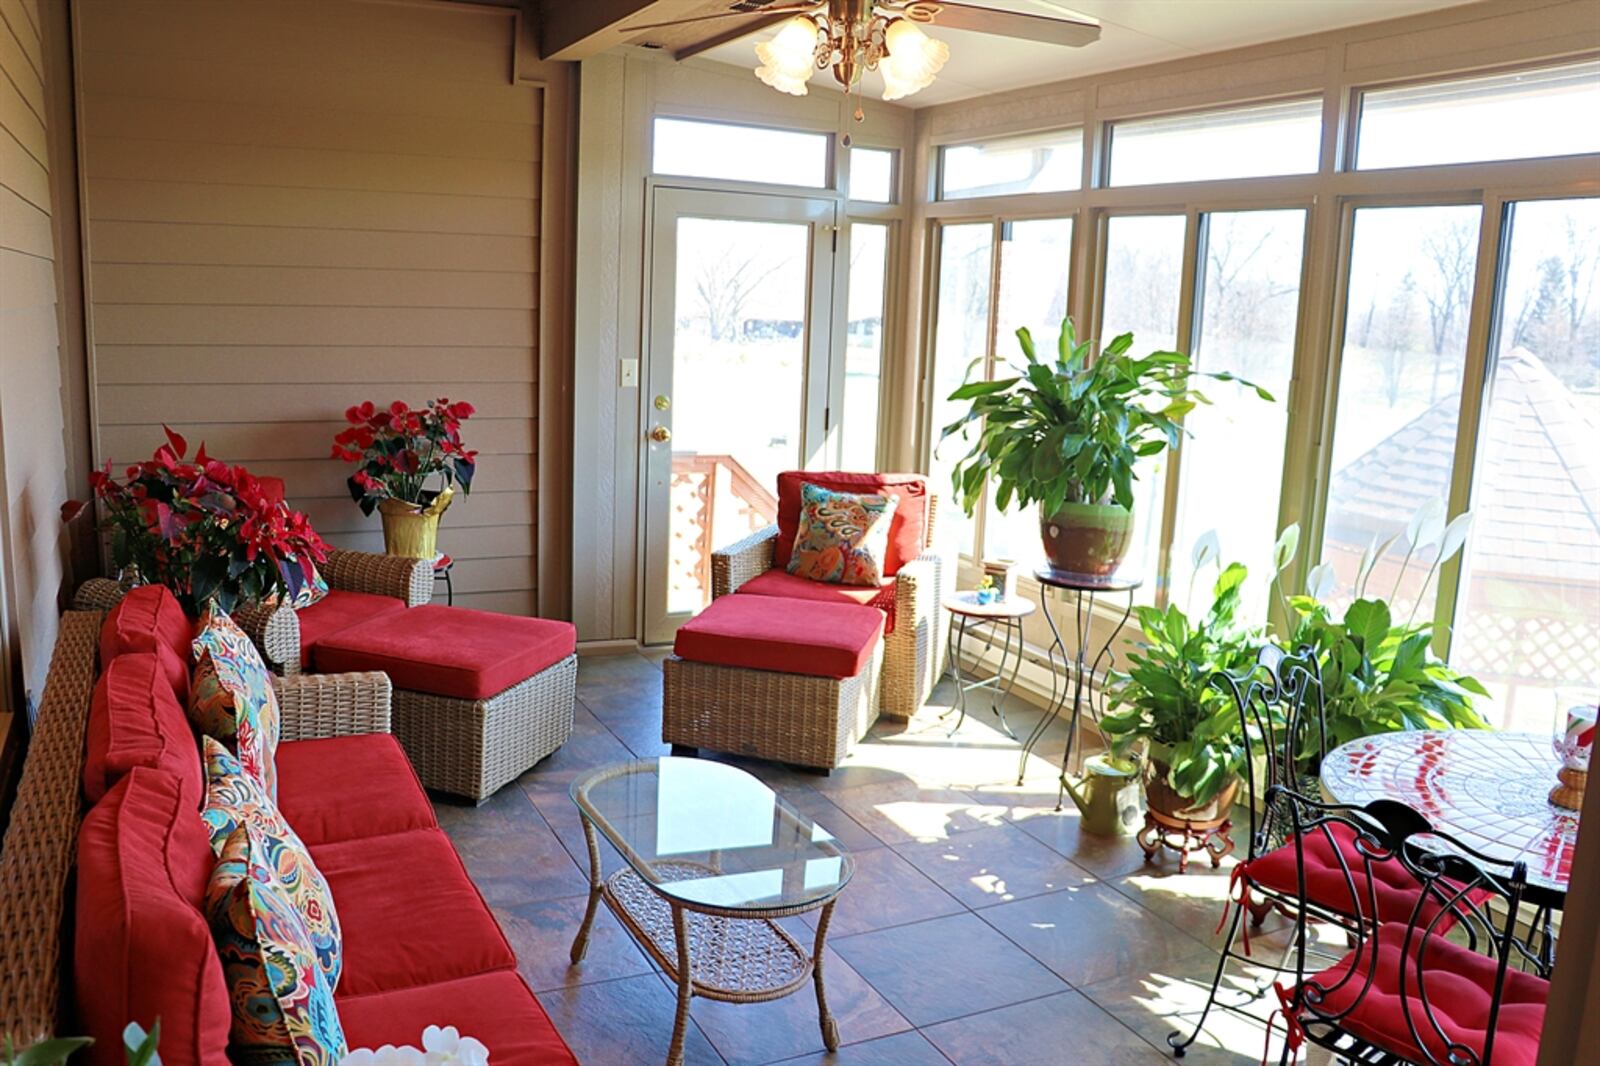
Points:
(495, 1008)
(783, 583)
(409, 913)
(908, 529)
(150, 619)
(342, 788)
(449, 651)
(135, 719)
(337, 612)
(783, 635)
(1459, 986)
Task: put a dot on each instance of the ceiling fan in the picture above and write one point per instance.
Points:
(854, 36)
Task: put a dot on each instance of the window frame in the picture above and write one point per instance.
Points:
(1102, 176)
(937, 168)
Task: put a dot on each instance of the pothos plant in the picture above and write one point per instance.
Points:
(1072, 429)
(1166, 700)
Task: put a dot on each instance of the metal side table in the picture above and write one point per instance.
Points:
(1076, 668)
(1002, 616)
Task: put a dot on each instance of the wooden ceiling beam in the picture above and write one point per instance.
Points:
(577, 29)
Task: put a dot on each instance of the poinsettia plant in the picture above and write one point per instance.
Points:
(400, 449)
(208, 531)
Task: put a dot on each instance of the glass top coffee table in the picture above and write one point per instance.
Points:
(713, 856)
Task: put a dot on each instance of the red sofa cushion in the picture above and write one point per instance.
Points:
(409, 913)
(135, 719)
(449, 651)
(337, 612)
(907, 529)
(789, 636)
(1459, 986)
(150, 619)
(143, 947)
(782, 583)
(495, 1008)
(342, 788)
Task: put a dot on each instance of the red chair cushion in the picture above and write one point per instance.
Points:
(495, 1008)
(342, 788)
(1459, 986)
(1328, 885)
(135, 719)
(143, 949)
(788, 636)
(409, 913)
(449, 651)
(907, 529)
(337, 612)
(150, 619)
(782, 583)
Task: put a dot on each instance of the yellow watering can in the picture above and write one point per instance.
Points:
(1107, 795)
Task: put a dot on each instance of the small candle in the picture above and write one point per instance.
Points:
(1578, 741)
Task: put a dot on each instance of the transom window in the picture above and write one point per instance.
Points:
(693, 148)
(1037, 162)
(1239, 142)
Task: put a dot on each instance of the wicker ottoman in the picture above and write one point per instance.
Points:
(791, 681)
(479, 698)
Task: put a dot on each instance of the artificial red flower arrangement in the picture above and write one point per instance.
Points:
(399, 449)
(207, 531)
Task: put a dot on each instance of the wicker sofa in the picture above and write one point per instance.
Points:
(141, 854)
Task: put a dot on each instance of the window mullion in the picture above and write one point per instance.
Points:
(1189, 300)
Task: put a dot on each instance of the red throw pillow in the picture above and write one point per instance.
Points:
(907, 531)
(135, 719)
(150, 619)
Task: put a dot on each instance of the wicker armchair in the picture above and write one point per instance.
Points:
(914, 653)
(276, 629)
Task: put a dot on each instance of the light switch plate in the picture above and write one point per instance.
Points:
(630, 373)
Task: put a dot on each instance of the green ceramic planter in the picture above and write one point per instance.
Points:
(1087, 538)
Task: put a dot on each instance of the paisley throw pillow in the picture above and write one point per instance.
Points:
(235, 799)
(231, 696)
(843, 537)
(283, 1009)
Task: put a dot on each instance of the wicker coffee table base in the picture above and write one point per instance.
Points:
(731, 956)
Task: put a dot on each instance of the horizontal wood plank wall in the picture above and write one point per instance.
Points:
(295, 206)
(32, 449)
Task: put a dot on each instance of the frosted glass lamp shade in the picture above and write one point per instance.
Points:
(913, 61)
(789, 59)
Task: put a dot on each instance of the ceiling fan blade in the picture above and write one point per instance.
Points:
(1043, 28)
(786, 9)
(705, 45)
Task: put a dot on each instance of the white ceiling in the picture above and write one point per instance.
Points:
(1133, 32)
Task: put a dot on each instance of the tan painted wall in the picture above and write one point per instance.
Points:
(294, 206)
(33, 451)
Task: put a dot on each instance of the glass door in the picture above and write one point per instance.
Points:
(738, 381)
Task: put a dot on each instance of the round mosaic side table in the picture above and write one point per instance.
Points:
(1002, 616)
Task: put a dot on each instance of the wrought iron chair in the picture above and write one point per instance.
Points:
(1405, 991)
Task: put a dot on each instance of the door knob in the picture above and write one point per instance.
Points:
(661, 434)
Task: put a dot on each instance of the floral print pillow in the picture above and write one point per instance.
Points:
(231, 697)
(283, 1010)
(235, 799)
(843, 537)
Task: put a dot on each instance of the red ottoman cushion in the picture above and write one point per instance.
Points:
(907, 529)
(449, 651)
(143, 947)
(789, 636)
(135, 719)
(495, 1008)
(409, 913)
(150, 619)
(337, 612)
(342, 788)
(783, 583)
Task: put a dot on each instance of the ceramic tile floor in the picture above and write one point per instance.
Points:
(981, 926)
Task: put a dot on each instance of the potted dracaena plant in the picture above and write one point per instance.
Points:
(1067, 435)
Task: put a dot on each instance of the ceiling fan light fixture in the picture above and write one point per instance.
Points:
(789, 59)
(912, 61)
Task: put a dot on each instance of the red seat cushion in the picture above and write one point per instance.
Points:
(150, 619)
(1328, 884)
(342, 788)
(1459, 988)
(449, 651)
(337, 612)
(143, 948)
(783, 583)
(789, 636)
(908, 529)
(409, 913)
(135, 719)
(496, 1009)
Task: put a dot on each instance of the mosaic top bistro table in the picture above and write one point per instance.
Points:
(713, 857)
